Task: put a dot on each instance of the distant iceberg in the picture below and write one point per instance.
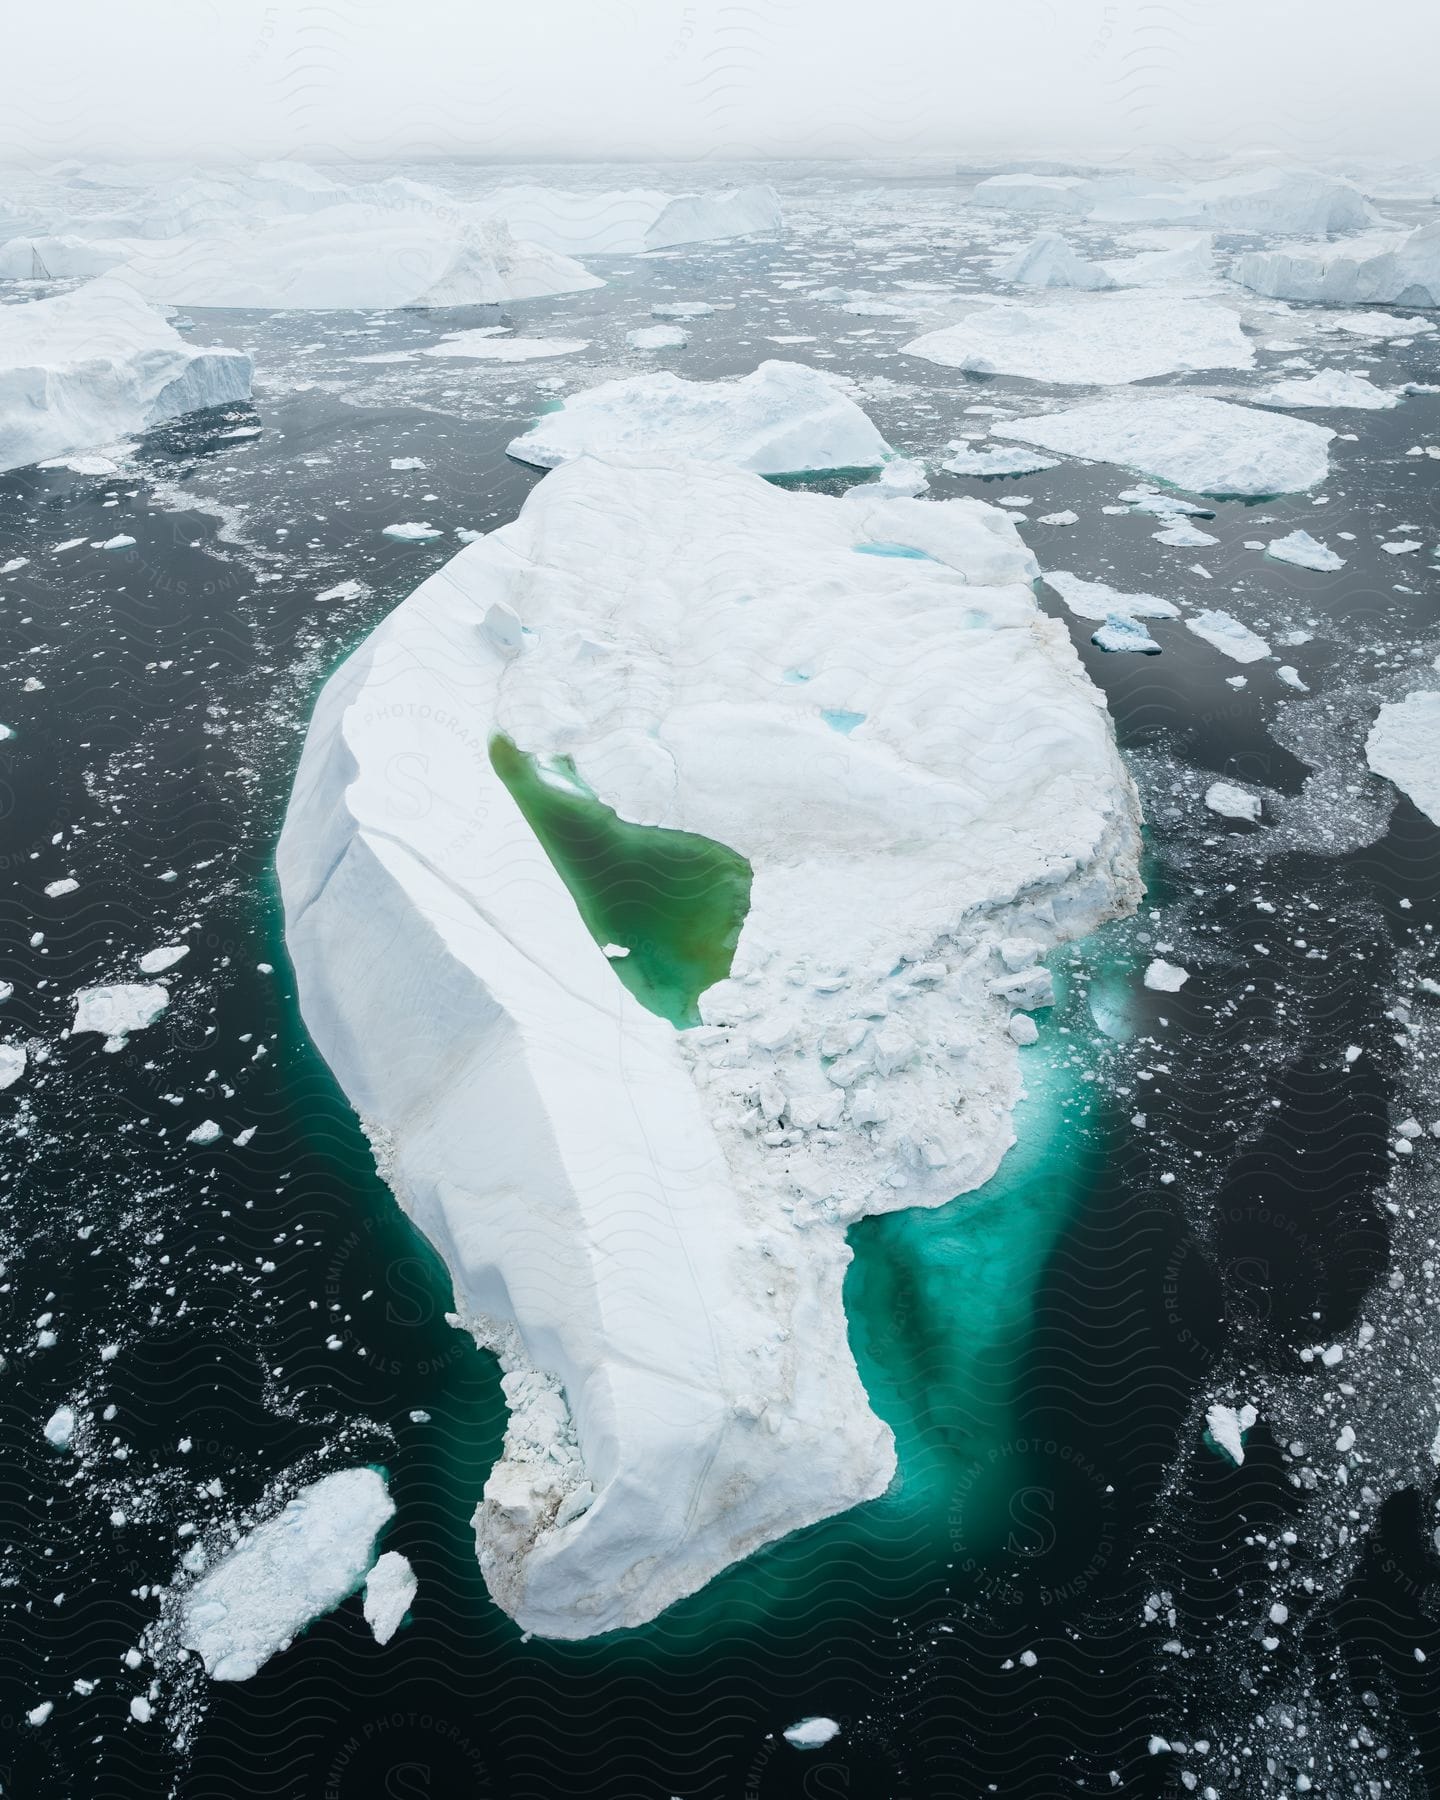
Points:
(648, 1224)
(1384, 268)
(1275, 201)
(1051, 261)
(98, 364)
(629, 221)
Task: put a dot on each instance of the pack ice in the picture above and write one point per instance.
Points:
(353, 256)
(1380, 268)
(1206, 446)
(860, 696)
(1091, 341)
(781, 419)
(98, 364)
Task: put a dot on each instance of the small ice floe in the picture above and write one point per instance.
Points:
(1404, 747)
(1402, 546)
(1305, 552)
(1059, 518)
(812, 1734)
(615, 951)
(154, 962)
(412, 532)
(1166, 977)
(286, 1573)
(484, 346)
(1228, 635)
(1022, 1028)
(390, 1587)
(1000, 460)
(399, 463)
(1184, 536)
(56, 889)
(1097, 600)
(1121, 633)
(1053, 262)
(12, 1064)
(206, 1132)
(1291, 678)
(657, 337)
(1227, 1426)
(1232, 802)
(344, 590)
(118, 1010)
(1330, 387)
(119, 542)
(681, 309)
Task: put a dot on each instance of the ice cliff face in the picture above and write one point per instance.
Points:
(861, 697)
(1386, 268)
(91, 366)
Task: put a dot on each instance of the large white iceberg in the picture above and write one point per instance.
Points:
(98, 364)
(781, 419)
(860, 696)
(354, 256)
(1207, 446)
(625, 222)
(1036, 193)
(1052, 261)
(1387, 269)
(1404, 747)
(1092, 342)
(285, 1574)
(1278, 201)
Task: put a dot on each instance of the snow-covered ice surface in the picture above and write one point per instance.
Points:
(783, 419)
(1209, 446)
(1404, 747)
(390, 1589)
(85, 368)
(688, 1445)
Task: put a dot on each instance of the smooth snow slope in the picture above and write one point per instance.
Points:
(648, 1224)
(91, 366)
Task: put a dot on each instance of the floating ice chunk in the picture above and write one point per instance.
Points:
(60, 1427)
(390, 1587)
(1001, 460)
(625, 222)
(1052, 262)
(1305, 552)
(343, 590)
(1330, 387)
(13, 1058)
(900, 479)
(37, 1715)
(1227, 1426)
(1098, 341)
(406, 463)
(1394, 268)
(206, 1132)
(484, 346)
(354, 256)
(1404, 747)
(118, 1010)
(285, 1574)
(1232, 802)
(155, 962)
(709, 218)
(784, 418)
(91, 366)
(1228, 635)
(1291, 678)
(1166, 977)
(1184, 536)
(1097, 600)
(812, 1734)
(413, 531)
(1059, 518)
(1379, 324)
(1207, 446)
(657, 337)
(452, 982)
(1282, 202)
(57, 889)
(120, 542)
(1023, 1028)
(1120, 632)
(1187, 263)
(681, 309)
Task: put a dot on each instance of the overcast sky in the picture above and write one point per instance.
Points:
(643, 79)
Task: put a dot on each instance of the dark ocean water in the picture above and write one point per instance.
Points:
(1039, 1348)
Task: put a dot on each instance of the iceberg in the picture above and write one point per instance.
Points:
(1120, 632)
(486, 345)
(905, 759)
(98, 364)
(1330, 387)
(390, 1587)
(1097, 600)
(1098, 342)
(285, 1574)
(61, 258)
(1404, 747)
(627, 222)
(1052, 262)
(1207, 446)
(996, 459)
(1227, 1426)
(1192, 262)
(1387, 269)
(117, 1011)
(1278, 201)
(1223, 632)
(1036, 193)
(781, 419)
(353, 256)
(1231, 802)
